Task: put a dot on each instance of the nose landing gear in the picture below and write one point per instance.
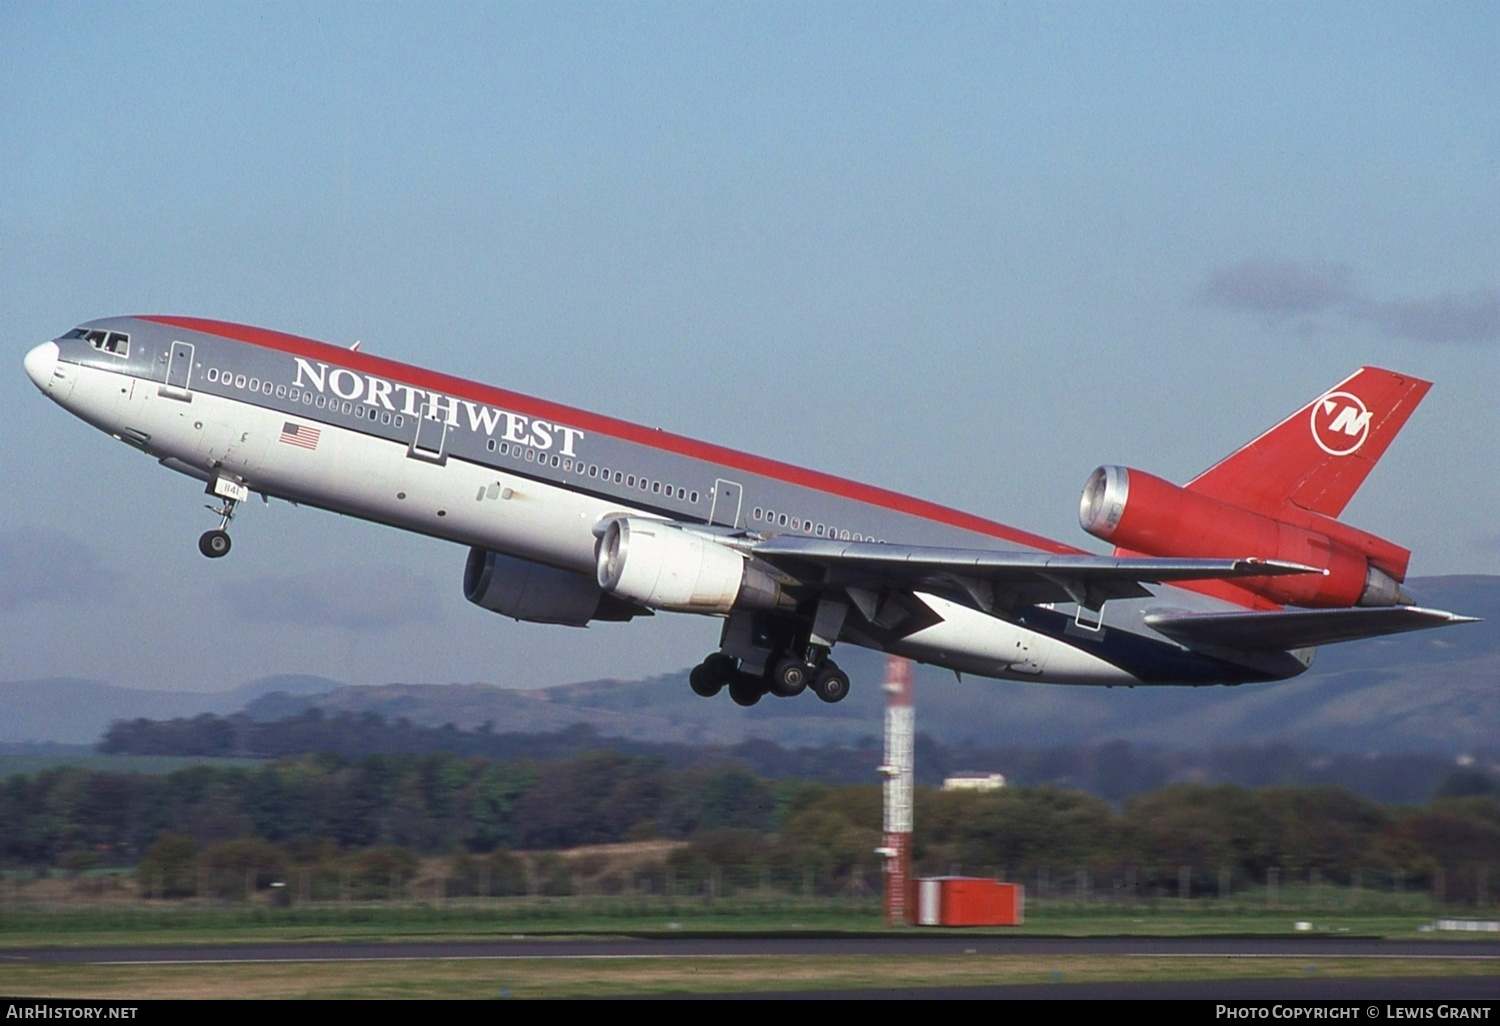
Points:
(215, 544)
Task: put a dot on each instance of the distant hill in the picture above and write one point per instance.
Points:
(1434, 691)
(73, 711)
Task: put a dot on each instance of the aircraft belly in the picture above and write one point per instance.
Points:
(973, 642)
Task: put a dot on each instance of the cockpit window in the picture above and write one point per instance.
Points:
(116, 343)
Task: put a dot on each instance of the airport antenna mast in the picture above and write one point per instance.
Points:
(900, 726)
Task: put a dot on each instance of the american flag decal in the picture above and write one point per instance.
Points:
(300, 435)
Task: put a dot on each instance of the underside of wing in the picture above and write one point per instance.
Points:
(1296, 628)
(998, 581)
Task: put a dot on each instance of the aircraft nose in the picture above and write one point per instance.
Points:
(39, 364)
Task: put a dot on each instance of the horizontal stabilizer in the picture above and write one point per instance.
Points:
(1296, 628)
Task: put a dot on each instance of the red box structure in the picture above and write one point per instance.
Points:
(969, 901)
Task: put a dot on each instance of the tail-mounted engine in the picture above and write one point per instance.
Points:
(539, 593)
(660, 565)
(1143, 513)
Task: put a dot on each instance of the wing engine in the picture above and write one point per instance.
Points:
(663, 565)
(539, 593)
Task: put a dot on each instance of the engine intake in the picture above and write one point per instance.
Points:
(1143, 513)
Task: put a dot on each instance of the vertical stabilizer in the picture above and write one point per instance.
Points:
(1318, 457)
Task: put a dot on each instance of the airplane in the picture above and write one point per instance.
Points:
(574, 517)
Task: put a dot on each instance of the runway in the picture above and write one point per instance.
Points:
(541, 946)
(1314, 949)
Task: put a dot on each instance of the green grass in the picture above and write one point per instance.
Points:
(188, 922)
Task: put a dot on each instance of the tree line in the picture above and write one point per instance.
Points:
(367, 818)
(1115, 770)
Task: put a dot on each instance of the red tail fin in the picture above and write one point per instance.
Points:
(1319, 456)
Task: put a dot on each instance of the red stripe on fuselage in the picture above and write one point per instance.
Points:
(656, 439)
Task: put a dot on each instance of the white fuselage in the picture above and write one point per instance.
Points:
(481, 468)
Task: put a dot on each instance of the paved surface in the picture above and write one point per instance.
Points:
(1314, 987)
(530, 946)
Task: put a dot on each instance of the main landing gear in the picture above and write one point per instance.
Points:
(786, 678)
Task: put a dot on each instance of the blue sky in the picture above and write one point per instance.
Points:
(964, 251)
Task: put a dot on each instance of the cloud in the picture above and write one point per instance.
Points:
(359, 599)
(1474, 317)
(43, 565)
(1278, 290)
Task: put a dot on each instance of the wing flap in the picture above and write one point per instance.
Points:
(1296, 628)
(1001, 579)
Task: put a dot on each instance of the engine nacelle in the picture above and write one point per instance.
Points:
(662, 566)
(1141, 512)
(539, 593)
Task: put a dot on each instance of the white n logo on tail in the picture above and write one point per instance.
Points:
(1340, 423)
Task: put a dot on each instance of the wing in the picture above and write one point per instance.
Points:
(995, 581)
(1296, 628)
